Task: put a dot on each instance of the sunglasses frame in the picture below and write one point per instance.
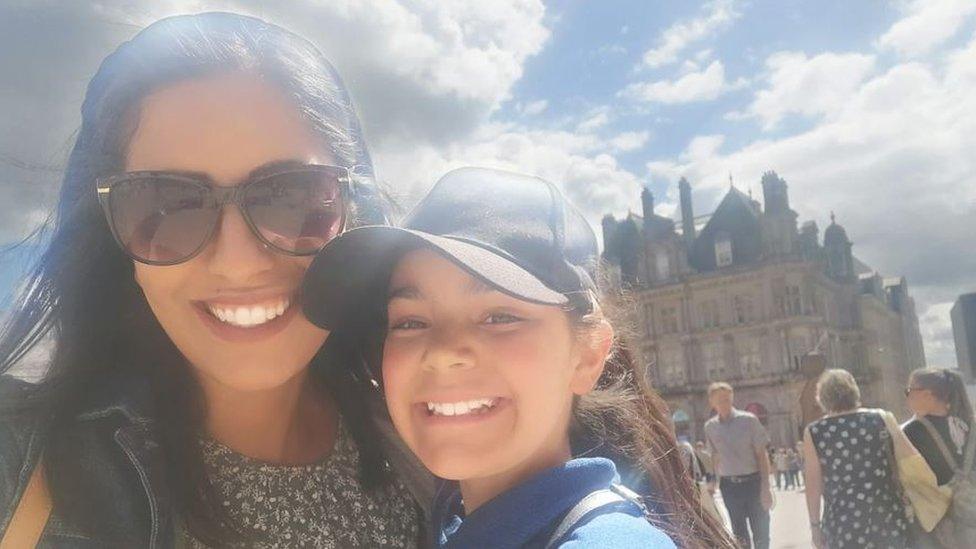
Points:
(220, 196)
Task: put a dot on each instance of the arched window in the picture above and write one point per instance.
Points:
(723, 249)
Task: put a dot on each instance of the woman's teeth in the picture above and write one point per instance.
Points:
(477, 406)
(247, 317)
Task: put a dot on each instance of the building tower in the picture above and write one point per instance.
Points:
(840, 260)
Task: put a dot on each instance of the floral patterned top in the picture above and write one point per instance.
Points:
(316, 505)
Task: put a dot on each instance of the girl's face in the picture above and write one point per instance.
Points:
(226, 126)
(480, 384)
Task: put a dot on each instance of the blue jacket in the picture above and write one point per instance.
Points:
(527, 515)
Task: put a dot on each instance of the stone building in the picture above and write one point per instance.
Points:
(743, 295)
(963, 315)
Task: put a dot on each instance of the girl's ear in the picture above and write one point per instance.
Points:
(593, 353)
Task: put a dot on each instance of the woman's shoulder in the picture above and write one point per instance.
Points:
(618, 529)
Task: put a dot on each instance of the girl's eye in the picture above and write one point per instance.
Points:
(502, 318)
(408, 324)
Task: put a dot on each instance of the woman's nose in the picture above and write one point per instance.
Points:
(235, 252)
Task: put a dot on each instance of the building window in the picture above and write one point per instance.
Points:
(708, 314)
(649, 319)
(673, 367)
(742, 309)
(714, 360)
(662, 265)
(793, 301)
(798, 349)
(723, 249)
(750, 357)
(669, 320)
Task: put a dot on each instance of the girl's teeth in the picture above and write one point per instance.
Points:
(247, 317)
(476, 406)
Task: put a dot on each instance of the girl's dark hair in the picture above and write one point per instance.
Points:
(82, 292)
(627, 420)
(947, 386)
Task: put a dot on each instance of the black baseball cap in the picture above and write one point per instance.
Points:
(515, 232)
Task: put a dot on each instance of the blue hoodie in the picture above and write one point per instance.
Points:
(527, 515)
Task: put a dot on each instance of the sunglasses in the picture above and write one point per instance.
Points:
(165, 218)
(909, 390)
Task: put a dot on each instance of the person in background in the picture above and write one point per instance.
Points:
(793, 469)
(779, 463)
(706, 460)
(937, 398)
(848, 464)
(738, 444)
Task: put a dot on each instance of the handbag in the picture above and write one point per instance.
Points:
(959, 528)
(929, 501)
(31, 516)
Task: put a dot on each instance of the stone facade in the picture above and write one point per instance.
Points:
(744, 296)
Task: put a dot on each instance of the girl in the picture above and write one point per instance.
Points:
(188, 400)
(494, 363)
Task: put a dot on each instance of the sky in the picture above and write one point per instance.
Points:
(864, 108)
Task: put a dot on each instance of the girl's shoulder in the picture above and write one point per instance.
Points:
(618, 529)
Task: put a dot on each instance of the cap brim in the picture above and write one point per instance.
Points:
(353, 271)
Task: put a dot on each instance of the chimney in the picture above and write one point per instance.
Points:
(647, 204)
(775, 196)
(687, 214)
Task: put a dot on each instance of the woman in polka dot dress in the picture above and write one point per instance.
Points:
(847, 461)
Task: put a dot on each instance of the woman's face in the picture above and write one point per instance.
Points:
(226, 126)
(479, 383)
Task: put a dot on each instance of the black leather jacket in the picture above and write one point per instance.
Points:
(123, 463)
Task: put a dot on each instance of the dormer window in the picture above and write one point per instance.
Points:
(723, 249)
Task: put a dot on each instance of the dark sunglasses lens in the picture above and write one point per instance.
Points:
(298, 212)
(161, 220)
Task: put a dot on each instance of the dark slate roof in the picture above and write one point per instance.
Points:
(738, 216)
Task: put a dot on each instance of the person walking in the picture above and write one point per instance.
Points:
(941, 430)
(738, 444)
(792, 469)
(848, 465)
(779, 463)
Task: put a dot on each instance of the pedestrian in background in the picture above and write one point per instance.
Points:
(779, 462)
(793, 468)
(738, 443)
(941, 429)
(848, 462)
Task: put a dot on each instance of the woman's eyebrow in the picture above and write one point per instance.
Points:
(476, 286)
(274, 166)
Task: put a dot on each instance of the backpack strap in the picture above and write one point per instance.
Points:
(31, 515)
(937, 438)
(616, 494)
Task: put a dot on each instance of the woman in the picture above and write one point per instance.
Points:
(188, 399)
(939, 397)
(940, 429)
(847, 460)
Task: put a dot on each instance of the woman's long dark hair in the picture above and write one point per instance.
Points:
(82, 292)
(947, 386)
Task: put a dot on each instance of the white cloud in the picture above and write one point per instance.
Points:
(694, 86)
(629, 141)
(894, 160)
(809, 86)
(927, 25)
(935, 323)
(534, 107)
(716, 16)
(582, 164)
(596, 118)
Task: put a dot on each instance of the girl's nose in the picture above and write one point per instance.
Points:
(235, 252)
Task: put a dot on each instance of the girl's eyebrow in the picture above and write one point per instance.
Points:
(403, 292)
